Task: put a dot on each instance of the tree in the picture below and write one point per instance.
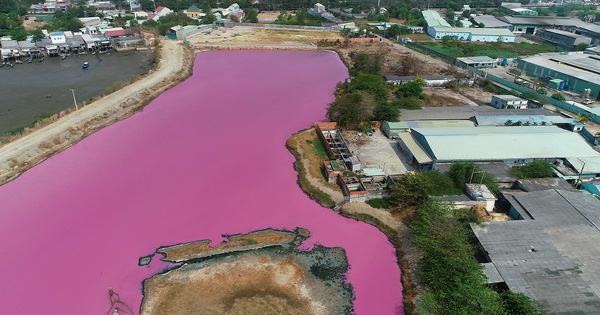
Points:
(410, 89)
(535, 169)
(558, 96)
(210, 18)
(394, 30)
(409, 191)
(407, 103)
(463, 173)
(351, 109)
(451, 275)
(251, 16)
(581, 46)
(371, 83)
(386, 111)
(519, 303)
(18, 34)
(38, 35)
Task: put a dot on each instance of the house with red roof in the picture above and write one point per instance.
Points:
(160, 12)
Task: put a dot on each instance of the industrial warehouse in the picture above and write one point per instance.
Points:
(549, 252)
(579, 71)
(514, 146)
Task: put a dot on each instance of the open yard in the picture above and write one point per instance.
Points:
(378, 151)
(246, 35)
(493, 50)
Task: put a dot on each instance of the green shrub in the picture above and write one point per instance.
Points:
(379, 203)
(535, 169)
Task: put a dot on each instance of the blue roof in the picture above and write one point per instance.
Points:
(57, 34)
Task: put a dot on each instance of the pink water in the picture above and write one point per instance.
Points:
(204, 159)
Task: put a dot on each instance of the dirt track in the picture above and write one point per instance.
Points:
(31, 149)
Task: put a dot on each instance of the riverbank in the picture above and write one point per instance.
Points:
(61, 131)
(38, 90)
(312, 183)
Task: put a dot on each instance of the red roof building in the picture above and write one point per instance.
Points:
(119, 33)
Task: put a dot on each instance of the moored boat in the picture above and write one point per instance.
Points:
(85, 65)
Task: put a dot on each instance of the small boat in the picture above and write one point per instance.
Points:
(43, 58)
(63, 57)
(29, 60)
(85, 65)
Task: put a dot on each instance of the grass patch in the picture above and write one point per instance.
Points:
(312, 191)
(319, 149)
(379, 203)
(493, 50)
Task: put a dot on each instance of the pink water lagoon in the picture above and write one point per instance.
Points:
(204, 159)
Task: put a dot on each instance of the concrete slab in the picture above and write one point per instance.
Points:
(378, 151)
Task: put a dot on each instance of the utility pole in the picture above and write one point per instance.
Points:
(74, 100)
(76, 107)
(580, 172)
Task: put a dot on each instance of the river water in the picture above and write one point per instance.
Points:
(204, 159)
(25, 88)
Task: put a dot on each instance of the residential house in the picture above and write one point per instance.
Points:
(193, 12)
(508, 101)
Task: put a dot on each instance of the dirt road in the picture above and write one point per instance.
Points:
(23, 153)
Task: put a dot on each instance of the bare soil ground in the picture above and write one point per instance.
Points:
(200, 249)
(443, 97)
(392, 56)
(37, 145)
(31, 24)
(250, 284)
(246, 35)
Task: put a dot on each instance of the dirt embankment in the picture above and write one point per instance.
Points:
(31, 149)
(310, 179)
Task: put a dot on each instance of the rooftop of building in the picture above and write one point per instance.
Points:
(565, 33)
(501, 120)
(434, 19)
(476, 59)
(467, 112)
(489, 21)
(428, 124)
(582, 66)
(508, 97)
(475, 31)
(541, 21)
(552, 257)
(539, 184)
(425, 77)
(499, 144)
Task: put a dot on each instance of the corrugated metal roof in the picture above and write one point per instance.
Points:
(420, 155)
(524, 119)
(509, 97)
(373, 172)
(403, 125)
(466, 112)
(476, 31)
(489, 21)
(592, 164)
(506, 143)
(434, 19)
(554, 257)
